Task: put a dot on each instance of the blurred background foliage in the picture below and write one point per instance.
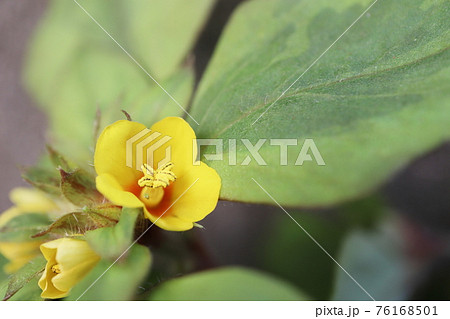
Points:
(394, 241)
(90, 71)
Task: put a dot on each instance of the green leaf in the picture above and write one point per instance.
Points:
(149, 20)
(73, 67)
(377, 99)
(23, 227)
(43, 179)
(25, 275)
(79, 188)
(152, 105)
(4, 286)
(107, 210)
(378, 261)
(29, 292)
(289, 253)
(77, 223)
(111, 242)
(3, 275)
(231, 283)
(115, 282)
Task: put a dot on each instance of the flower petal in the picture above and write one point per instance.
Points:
(111, 189)
(73, 252)
(193, 197)
(19, 253)
(48, 289)
(48, 249)
(9, 214)
(76, 258)
(169, 222)
(110, 152)
(183, 144)
(30, 200)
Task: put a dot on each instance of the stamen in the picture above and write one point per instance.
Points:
(56, 269)
(153, 183)
(161, 177)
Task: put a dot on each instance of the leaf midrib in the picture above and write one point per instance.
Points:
(328, 84)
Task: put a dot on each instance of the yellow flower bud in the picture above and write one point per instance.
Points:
(27, 201)
(19, 253)
(68, 261)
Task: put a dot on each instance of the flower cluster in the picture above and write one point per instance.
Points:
(173, 193)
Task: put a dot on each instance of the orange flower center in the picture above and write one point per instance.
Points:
(153, 183)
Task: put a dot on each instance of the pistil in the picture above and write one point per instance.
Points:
(153, 183)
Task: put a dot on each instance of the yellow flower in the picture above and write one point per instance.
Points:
(26, 201)
(19, 253)
(175, 194)
(68, 261)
